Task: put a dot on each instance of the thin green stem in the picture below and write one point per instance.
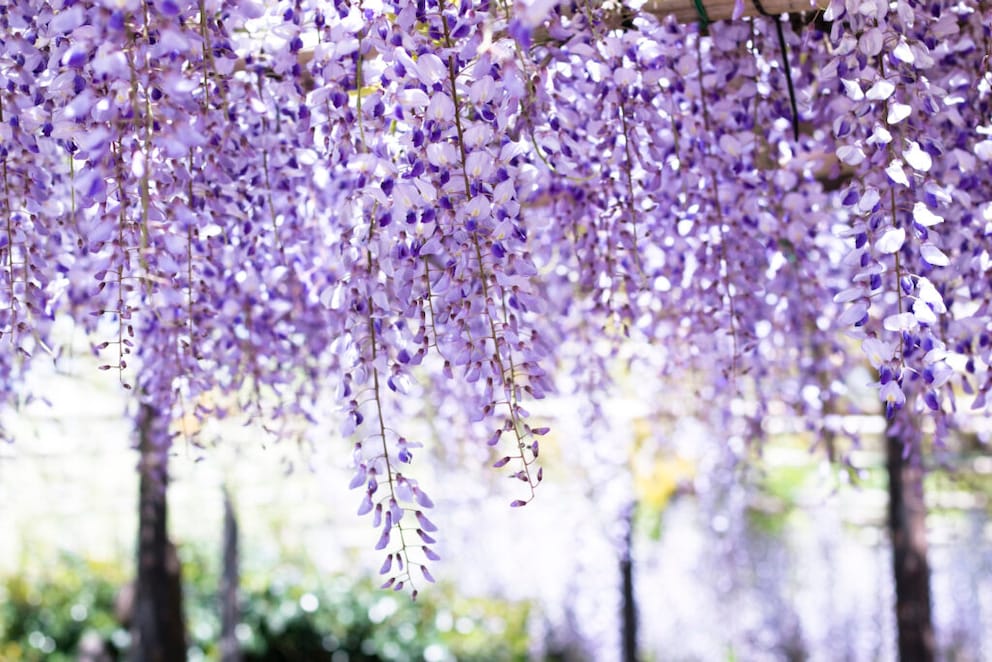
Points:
(189, 263)
(507, 377)
(628, 171)
(377, 396)
(893, 207)
(10, 246)
(718, 210)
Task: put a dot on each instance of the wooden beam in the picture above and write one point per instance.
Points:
(684, 11)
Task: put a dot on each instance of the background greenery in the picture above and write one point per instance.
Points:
(287, 614)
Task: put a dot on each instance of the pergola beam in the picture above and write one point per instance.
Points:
(685, 11)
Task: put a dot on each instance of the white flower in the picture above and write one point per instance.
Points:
(925, 217)
(877, 351)
(916, 157)
(934, 255)
(891, 241)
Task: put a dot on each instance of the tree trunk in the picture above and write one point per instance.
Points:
(907, 527)
(629, 606)
(157, 628)
(229, 614)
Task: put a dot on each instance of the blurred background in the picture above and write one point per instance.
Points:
(723, 551)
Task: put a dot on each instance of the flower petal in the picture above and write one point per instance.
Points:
(925, 217)
(880, 91)
(934, 255)
(916, 157)
(900, 322)
(891, 241)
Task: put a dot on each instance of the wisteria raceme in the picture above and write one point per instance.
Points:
(444, 201)
(916, 206)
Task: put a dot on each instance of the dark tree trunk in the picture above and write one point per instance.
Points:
(907, 528)
(229, 615)
(629, 604)
(157, 628)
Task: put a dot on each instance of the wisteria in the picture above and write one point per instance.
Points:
(426, 199)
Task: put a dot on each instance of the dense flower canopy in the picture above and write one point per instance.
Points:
(443, 199)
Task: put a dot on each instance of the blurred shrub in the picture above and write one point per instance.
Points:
(43, 617)
(287, 615)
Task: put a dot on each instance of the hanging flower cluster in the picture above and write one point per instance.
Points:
(908, 115)
(441, 199)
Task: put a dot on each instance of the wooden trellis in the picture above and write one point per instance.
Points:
(685, 11)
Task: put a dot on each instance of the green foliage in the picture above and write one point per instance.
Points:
(287, 615)
(372, 625)
(778, 488)
(44, 616)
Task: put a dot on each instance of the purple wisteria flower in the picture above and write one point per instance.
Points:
(443, 203)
